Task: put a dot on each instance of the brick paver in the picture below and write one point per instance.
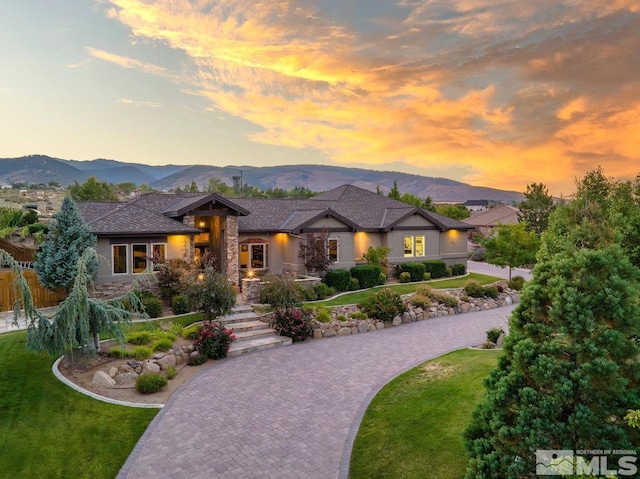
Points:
(292, 412)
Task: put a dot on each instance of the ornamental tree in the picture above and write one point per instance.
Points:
(58, 256)
(536, 208)
(510, 245)
(209, 293)
(570, 368)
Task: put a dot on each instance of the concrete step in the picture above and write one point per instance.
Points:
(241, 308)
(238, 317)
(246, 326)
(251, 345)
(254, 334)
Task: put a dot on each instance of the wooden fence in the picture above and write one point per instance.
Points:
(42, 297)
(19, 253)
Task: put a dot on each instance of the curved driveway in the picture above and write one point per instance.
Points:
(292, 412)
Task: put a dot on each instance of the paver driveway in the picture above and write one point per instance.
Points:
(292, 412)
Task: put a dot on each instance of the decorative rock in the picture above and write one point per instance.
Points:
(344, 331)
(329, 333)
(317, 333)
(419, 316)
(167, 360)
(412, 316)
(508, 300)
(150, 367)
(138, 369)
(372, 327)
(363, 327)
(379, 325)
(113, 371)
(406, 318)
(180, 359)
(194, 354)
(500, 340)
(354, 330)
(158, 355)
(126, 379)
(102, 380)
(397, 321)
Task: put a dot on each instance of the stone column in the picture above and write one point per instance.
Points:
(250, 290)
(232, 261)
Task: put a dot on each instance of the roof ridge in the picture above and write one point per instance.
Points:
(110, 212)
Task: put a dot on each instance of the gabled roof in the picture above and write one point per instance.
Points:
(361, 209)
(476, 202)
(499, 214)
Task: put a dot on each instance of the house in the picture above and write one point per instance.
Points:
(476, 205)
(262, 235)
(485, 221)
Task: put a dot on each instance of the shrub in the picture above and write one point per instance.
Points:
(180, 304)
(341, 317)
(382, 279)
(322, 291)
(449, 271)
(491, 291)
(214, 340)
(358, 315)
(435, 267)
(426, 276)
(323, 315)
(209, 293)
(377, 255)
(420, 301)
(161, 334)
(293, 323)
(448, 300)
(152, 306)
(493, 334)
(340, 279)
(306, 292)
(281, 293)
(424, 290)
(458, 269)
(478, 254)
(415, 270)
(383, 305)
(139, 337)
(121, 352)
(141, 353)
(148, 383)
(191, 332)
(169, 276)
(517, 282)
(368, 275)
(405, 277)
(163, 344)
(355, 284)
(170, 372)
(474, 289)
(175, 329)
(197, 359)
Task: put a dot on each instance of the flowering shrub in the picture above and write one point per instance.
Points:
(384, 305)
(214, 340)
(293, 323)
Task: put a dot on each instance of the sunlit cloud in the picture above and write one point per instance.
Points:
(506, 90)
(129, 101)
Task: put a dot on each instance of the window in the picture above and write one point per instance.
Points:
(333, 249)
(140, 256)
(413, 246)
(159, 251)
(119, 258)
(258, 255)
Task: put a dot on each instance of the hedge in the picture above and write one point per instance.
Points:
(340, 279)
(368, 275)
(436, 267)
(415, 270)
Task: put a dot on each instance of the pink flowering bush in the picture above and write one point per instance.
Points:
(293, 323)
(214, 340)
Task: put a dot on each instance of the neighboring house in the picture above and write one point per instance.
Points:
(263, 235)
(485, 221)
(477, 205)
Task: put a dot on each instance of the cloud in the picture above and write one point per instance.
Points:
(507, 89)
(149, 104)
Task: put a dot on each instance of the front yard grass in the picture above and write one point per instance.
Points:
(47, 430)
(406, 288)
(412, 428)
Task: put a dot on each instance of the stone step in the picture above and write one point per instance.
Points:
(253, 334)
(251, 345)
(241, 308)
(237, 317)
(246, 326)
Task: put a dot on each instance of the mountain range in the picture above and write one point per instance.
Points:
(35, 169)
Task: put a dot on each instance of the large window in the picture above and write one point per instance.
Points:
(254, 256)
(119, 258)
(159, 251)
(140, 256)
(413, 246)
(333, 249)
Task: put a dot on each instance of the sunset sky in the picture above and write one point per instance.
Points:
(492, 93)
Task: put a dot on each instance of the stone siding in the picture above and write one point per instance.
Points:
(232, 260)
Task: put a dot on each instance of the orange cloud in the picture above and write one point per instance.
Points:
(497, 89)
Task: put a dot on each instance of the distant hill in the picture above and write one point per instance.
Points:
(35, 169)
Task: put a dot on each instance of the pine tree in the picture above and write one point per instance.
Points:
(536, 208)
(394, 193)
(56, 259)
(570, 367)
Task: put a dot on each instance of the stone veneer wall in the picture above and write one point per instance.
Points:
(106, 291)
(232, 263)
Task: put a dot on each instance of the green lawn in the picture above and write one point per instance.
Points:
(412, 428)
(406, 288)
(48, 430)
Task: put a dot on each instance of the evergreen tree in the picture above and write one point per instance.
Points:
(68, 237)
(570, 368)
(394, 193)
(93, 190)
(536, 208)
